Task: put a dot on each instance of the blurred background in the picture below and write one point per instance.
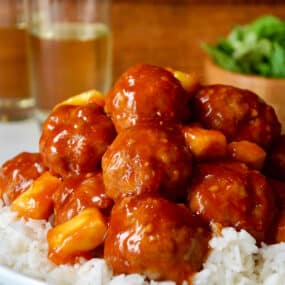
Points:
(167, 33)
(170, 32)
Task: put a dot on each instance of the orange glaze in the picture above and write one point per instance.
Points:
(231, 194)
(205, 144)
(18, 174)
(36, 202)
(277, 233)
(77, 237)
(248, 152)
(275, 164)
(148, 158)
(155, 237)
(74, 139)
(146, 93)
(147, 169)
(78, 193)
(239, 114)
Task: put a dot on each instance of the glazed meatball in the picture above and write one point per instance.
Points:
(18, 174)
(146, 93)
(74, 139)
(155, 237)
(78, 193)
(239, 114)
(231, 194)
(275, 164)
(147, 158)
(278, 228)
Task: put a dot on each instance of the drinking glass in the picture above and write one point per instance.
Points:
(15, 100)
(69, 48)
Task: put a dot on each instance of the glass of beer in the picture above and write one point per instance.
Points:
(15, 100)
(69, 50)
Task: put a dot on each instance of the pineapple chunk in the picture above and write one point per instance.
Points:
(91, 96)
(81, 234)
(248, 152)
(205, 144)
(189, 81)
(36, 202)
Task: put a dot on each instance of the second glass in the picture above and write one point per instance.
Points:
(15, 100)
(69, 48)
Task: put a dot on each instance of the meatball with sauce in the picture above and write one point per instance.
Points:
(277, 231)
(146, 93)
(275, 164)
(239, 114)
(280, 228)
(74, 139)
(148, 158)
(155, 237)
(230, 194)
(78, 193)
(18, 174)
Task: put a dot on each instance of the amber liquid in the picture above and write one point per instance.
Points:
(69, 60)
(15, 100)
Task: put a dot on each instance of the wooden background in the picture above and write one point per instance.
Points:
(170, 33)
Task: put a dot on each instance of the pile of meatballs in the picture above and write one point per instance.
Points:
(159, 167)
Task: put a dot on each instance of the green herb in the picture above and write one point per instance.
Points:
(256, 48)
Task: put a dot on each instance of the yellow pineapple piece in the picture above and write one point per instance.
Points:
(81, 234)
(36, 202)
(189, 81)
(91, 96)
(248, 152)
(205, 144)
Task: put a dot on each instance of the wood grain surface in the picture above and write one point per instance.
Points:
(170, 33)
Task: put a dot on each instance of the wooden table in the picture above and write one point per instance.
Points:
(170, 33)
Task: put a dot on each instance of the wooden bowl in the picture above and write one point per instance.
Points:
(272, 91)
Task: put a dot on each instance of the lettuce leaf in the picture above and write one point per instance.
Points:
(256, 48)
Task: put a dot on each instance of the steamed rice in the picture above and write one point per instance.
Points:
(234, 260)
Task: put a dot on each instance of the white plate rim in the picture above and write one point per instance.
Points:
(9, 277)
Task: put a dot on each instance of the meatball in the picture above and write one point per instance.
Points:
(74, 139)
(275, 164)
(278, 228)
(155, 237)
(147, 158)
(239, 114)
(18, 174)
(78, 193)
(231, 194)
(146, 93)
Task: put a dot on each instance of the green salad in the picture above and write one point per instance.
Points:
(256, 48)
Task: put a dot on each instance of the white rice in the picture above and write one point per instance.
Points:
(234, 260)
